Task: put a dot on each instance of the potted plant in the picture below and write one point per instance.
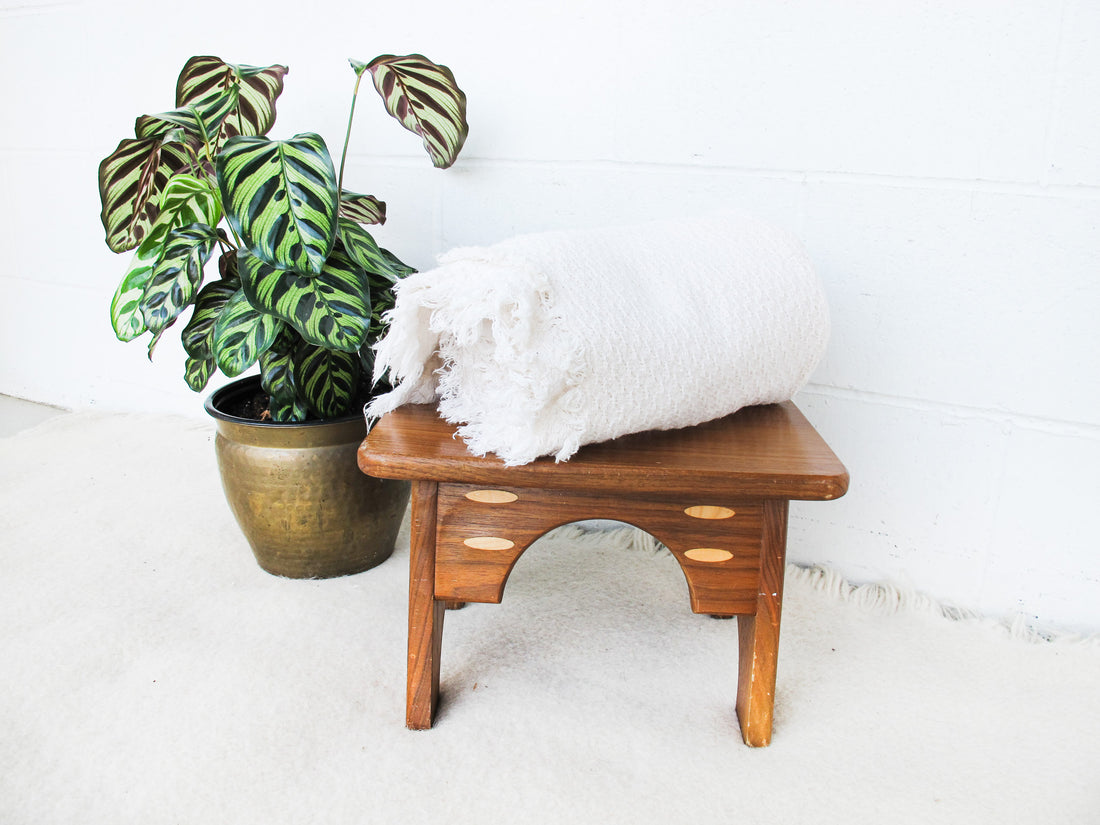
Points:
(300, 290)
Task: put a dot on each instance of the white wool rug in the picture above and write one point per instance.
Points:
(152, 673)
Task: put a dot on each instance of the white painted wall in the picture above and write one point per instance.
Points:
(939, 159)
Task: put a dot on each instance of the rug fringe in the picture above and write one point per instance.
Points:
(874, 597)
(887, 599)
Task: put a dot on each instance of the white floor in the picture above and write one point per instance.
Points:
(17, 414)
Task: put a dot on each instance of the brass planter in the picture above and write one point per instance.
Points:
(298, 495)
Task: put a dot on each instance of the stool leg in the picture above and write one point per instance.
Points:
(758, 634)
(425, 613)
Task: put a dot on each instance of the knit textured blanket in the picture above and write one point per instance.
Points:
(543, 343)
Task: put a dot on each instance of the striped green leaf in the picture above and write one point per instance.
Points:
(328, 310)
(177, 275)
(383, 271)
(362, 248)
(204, 78)
(397, 266)
(327, 379)
(362, 208)
(204, 119)
(288, 341)
(131, 181)
(241, 335)
(185, 200)
(197, 372)
(383, 293)
(280, 196)
(424, 98)
(289, 412)
(277, 376)
(198, 336)
(154, 339)
(126, 318)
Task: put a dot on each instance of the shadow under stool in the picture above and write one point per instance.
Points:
(715, 494)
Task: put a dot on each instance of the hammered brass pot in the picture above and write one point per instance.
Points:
(300, 499)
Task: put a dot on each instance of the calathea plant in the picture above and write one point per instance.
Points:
(301, 283)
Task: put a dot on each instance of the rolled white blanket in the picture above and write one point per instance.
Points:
(542, 343)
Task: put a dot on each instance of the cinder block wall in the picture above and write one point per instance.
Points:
(940, 161)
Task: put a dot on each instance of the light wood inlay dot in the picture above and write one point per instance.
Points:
(491, 496)
(707, 511)
(710, 555)
(489, 543)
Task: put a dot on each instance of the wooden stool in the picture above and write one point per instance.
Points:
(716, 495)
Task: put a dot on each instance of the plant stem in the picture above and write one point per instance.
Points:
(347, 137)
(236, 237)
(209, 148)
(225, 245)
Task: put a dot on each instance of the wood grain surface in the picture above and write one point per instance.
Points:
(470, 568)
(425, 612)
(769, 451)
(716, 495)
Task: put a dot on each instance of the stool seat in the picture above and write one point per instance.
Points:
(715, 494)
